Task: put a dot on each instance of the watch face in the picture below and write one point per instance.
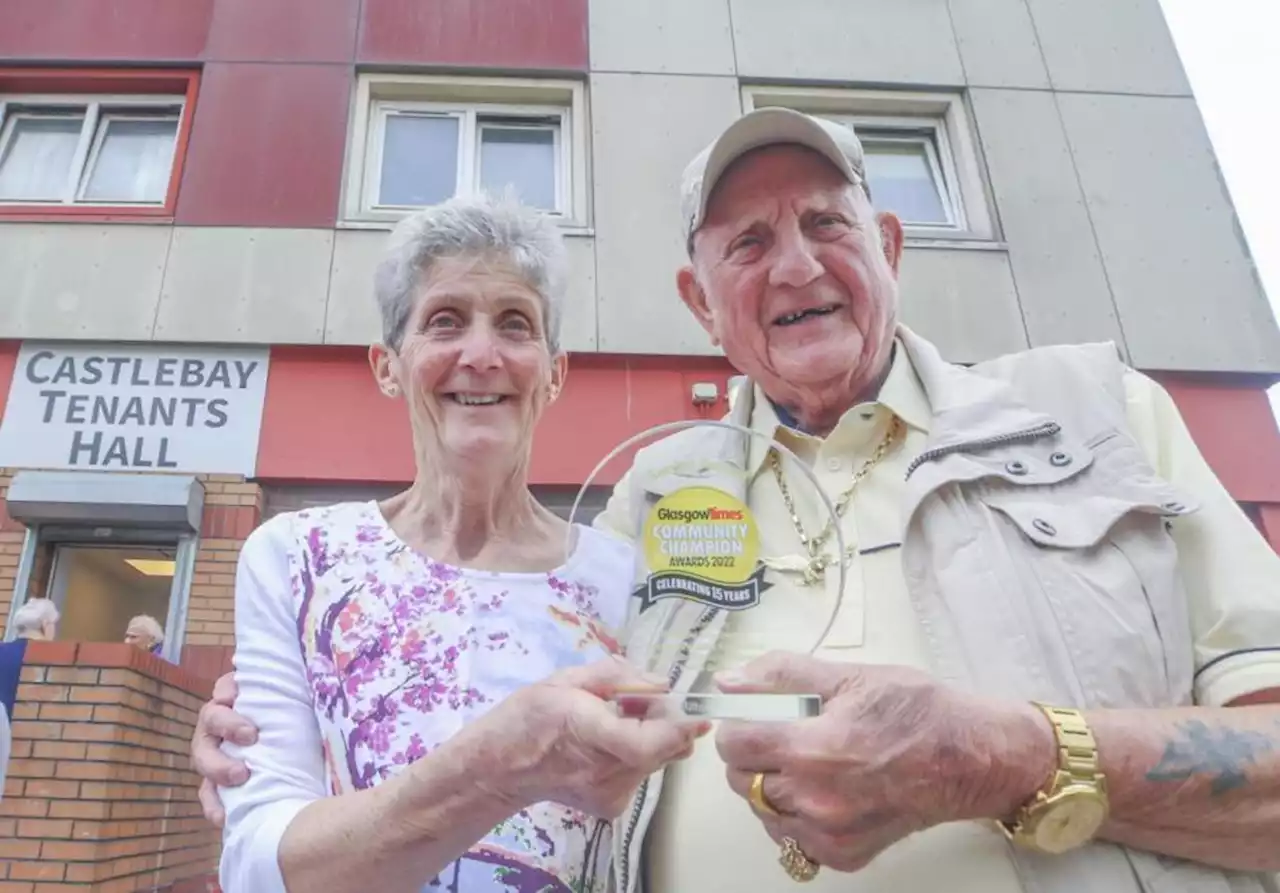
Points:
(1070, 822)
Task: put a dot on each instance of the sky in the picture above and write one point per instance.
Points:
(1231, 52)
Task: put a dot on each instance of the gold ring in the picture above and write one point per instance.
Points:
(759, 801)
(798, 865)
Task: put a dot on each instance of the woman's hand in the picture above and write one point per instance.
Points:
(562, 740)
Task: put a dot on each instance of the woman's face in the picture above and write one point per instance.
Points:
(474, 363)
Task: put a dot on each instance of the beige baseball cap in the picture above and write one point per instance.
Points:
(765, 127)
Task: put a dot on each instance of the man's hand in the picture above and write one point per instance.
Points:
(894, 752)
(216, 723)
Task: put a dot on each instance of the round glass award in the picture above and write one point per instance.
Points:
(702, 568)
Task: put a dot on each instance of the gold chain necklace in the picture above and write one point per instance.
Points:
(816, 569)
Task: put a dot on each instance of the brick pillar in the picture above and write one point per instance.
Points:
(100, 796)
(232, 509)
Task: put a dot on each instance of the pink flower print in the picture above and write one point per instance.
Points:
(417, 750)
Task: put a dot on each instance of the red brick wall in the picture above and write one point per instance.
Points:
(100, 796)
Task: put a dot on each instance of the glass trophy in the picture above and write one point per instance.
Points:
(699, 583)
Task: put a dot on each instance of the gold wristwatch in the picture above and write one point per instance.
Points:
(1073, 806)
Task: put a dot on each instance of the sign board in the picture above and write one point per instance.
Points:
(135, 408)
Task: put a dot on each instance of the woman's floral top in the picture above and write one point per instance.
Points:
(402, 651)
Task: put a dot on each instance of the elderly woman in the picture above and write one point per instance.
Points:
(430, 675)
(37, 620)
(145, 633)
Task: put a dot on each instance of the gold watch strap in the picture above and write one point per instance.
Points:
(1077, 749)
(1078, 762)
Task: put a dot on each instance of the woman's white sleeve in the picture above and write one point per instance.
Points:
(286, 765)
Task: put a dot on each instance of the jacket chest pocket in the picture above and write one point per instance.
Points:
(1095, 555)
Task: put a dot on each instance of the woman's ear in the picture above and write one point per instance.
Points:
(559, 372)
(386, 366)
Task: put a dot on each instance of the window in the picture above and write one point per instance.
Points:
(99, 589)
(418, 141)
(921, 161)
(92, 152)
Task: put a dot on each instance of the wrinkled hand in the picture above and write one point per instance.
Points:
(894, 752)
(562, 741)
(216, 723)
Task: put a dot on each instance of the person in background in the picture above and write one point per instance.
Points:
(146, 633)
(36, 620)
(430, 674)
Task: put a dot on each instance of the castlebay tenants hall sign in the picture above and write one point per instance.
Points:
(113, 407)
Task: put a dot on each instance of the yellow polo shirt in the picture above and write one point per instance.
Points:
(705, 838)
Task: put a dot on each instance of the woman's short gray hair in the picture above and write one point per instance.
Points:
(33, 615)
(472, 227)
(149, 626)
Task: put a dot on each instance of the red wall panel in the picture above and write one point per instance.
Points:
(267, 146)
(1235, 429)
(94, 30)
(8, 360)
(325, 420)
(550, 34)
(283, 31)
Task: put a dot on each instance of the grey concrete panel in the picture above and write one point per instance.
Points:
(581, 314)
(1183, 281)
(661, 36)
(646, 129)
(80, 281)
(1109, 46)
(245, 285)
(352, 315)
(1062, 285)
(880, 41)
(963, 300)
(998, 44)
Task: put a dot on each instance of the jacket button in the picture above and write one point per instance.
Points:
(1016, 467)
(1044, 527)
(1060, 460)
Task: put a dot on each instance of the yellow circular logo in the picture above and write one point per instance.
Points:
(702, 532)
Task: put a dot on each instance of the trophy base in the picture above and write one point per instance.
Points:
(762, 707)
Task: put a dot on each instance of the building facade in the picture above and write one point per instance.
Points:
(193, 196)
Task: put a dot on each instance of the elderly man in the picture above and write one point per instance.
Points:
(1056, 666)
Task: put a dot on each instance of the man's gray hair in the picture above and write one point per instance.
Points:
(472, 227)
(145, 623)
(33, 615)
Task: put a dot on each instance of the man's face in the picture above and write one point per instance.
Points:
(795, 277)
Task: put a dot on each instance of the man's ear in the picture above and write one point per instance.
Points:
(384, 363)
(696, 300)
(891, 238)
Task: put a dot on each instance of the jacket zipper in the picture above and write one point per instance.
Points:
(1045, 429)
(677, 670)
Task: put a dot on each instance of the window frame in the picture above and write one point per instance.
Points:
(940, 118)
(186, 545)
(558, 103)
(93, 91)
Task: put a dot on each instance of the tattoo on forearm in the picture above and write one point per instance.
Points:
(1199, 750)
